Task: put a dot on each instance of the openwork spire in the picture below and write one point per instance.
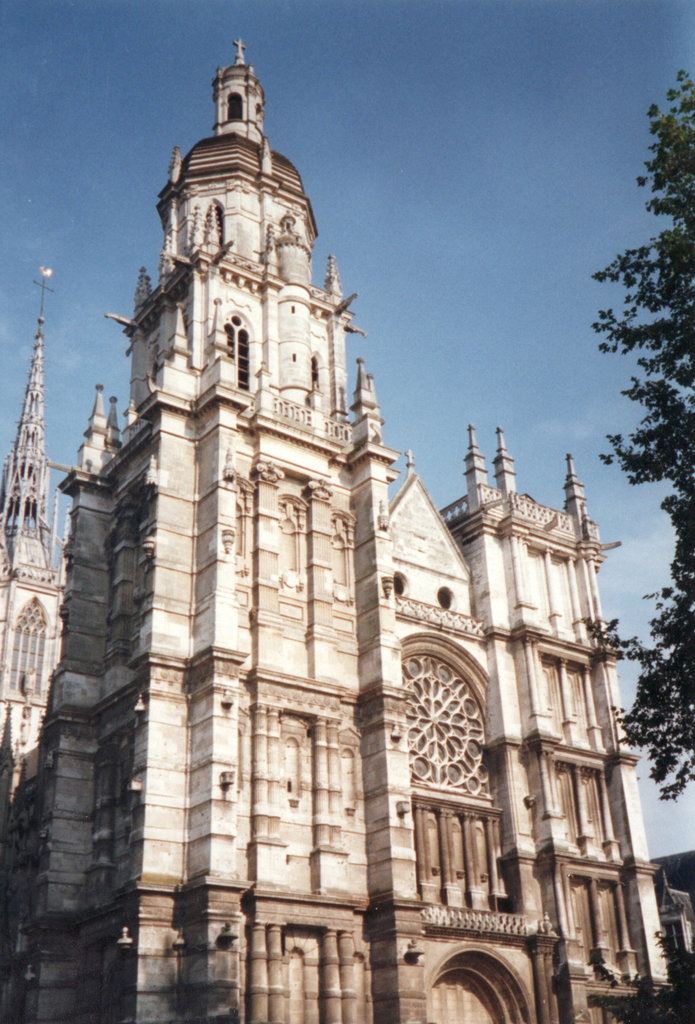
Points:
(25, 477)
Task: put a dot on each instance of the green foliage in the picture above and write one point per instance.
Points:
(657, 325)
(646, 1004)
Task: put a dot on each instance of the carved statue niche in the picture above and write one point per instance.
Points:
(292, 560)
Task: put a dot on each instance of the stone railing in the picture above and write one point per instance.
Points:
(541, 515)
(291, 411)
(312, 419)
(465, 919)
(442, 617)
(455, 511)
(338, 431)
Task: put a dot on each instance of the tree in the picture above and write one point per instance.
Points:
(646, 1004)
(657, 326)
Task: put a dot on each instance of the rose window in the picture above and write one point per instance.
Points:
(445, 727)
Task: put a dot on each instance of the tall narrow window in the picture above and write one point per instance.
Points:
(314, 373)
(234, 107)
(238, 349)
(29, 649)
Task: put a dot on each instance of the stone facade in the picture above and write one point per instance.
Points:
(312, 755)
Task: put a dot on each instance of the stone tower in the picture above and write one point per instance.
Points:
(312, 755)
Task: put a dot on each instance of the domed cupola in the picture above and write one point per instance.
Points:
(239, 99)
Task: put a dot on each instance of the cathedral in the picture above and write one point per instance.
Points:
(312, 753)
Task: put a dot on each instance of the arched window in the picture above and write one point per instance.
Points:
(29, 648)
(235, 110)
(238, 349)
(289, 555)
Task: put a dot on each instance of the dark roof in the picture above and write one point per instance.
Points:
(221, 154)
(679, 869)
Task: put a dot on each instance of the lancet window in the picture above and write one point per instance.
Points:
(29, 649)
(238, 349)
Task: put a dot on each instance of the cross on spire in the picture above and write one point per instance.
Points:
(45, 272)
(239, 51)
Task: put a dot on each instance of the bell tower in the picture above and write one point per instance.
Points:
(239, 99)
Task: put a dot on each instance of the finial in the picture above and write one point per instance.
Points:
(143, 288)
(476, 474)
(505, 476)
(332, 282)
(410, 461)
(175, 165)
(570, 467)
(239, 52)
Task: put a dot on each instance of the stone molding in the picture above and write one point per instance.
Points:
(455, 621)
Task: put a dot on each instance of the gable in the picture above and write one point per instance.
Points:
(419, 535)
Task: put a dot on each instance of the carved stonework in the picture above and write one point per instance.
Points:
(269, 472)
(445, 722)
(319, 490)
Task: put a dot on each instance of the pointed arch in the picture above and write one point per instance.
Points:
(29, 648)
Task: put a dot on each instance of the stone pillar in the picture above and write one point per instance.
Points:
(467, 822)
(273, 726)
(532, 679)
(452, 893)
(266, 646)
(586, 838)
(334, 784)
(258, 976)
(593, 728)
(346, 949)
(259, 788)
(627, 961)
(569, 719)
(276, 990)
(577, 617)
(611, 847)
(330, 979)
(491, 862)
(320, 633)
(553, 603)
(321, 818)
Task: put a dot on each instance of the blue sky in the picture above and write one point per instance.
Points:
(470, 165)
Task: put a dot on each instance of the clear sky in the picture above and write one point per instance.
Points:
(470, 165)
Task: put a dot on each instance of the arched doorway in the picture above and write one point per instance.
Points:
(476, 988)
(458, 998)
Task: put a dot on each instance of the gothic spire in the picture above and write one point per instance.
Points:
(25, 528)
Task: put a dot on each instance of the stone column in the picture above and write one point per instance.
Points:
(491, 863)
(259, 787)
(321, 792)
(593, 728)
(330, 979)
(586, 838)
(467, 831)
(611, 846)
(553, 609)
(320, 633)
(276, 990)
(451, 890)
(532, 679)
(627, 960)
(258, 976)
(334, 784)
(577, 617)
(273, 725)
(266, 645)
(569, 719)
(346, 949)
